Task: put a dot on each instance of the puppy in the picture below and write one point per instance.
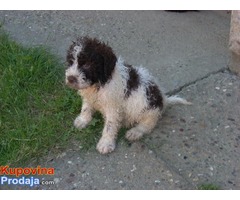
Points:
(125, 95)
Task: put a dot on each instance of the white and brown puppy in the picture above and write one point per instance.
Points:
(125, 95)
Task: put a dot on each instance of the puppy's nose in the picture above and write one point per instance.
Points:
(72, 79)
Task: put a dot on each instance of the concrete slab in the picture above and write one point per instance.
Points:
(202, 142)
(134, 167)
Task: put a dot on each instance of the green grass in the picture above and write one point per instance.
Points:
(208, 187)
(36, 108)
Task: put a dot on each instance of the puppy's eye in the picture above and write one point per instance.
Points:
(87, 66)
(82, 59)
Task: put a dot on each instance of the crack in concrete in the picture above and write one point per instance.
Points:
(179, 89)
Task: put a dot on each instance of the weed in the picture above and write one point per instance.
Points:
(208, 187)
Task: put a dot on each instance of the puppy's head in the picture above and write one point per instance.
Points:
(89, 62)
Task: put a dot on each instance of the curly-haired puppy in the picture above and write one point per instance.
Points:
(125, 95)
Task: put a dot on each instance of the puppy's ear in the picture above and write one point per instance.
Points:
(101, 59)
(108, 64)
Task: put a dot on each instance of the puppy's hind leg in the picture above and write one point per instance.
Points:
(145, 125)
(84, 117)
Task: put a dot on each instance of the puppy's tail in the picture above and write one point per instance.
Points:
(173, 100)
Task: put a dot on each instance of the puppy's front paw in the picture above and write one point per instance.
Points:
(80, 122)
(106, 145)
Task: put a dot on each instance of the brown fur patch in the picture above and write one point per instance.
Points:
(97, 60)
(154, 96)
(133, 81)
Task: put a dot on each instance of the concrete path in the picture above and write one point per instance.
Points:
(188, 53)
